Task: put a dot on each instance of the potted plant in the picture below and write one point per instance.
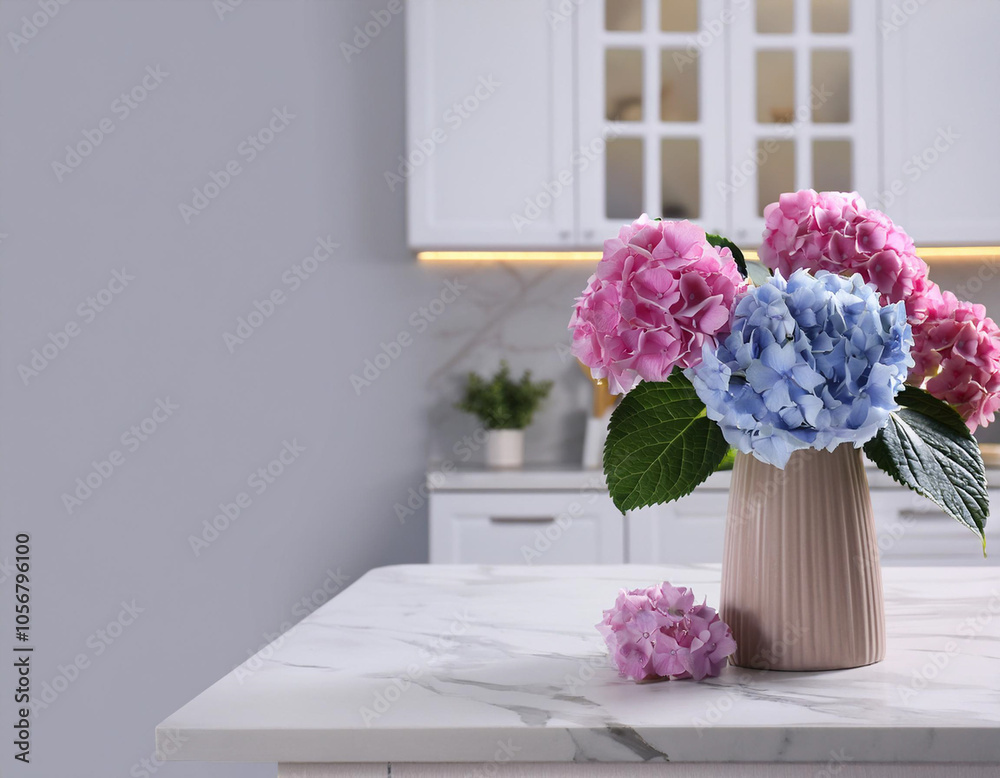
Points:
(505, 407)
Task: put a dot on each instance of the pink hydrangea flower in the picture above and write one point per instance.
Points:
(836, 231)
(957, 359)
(659, 632)
(660, 293)
(926, 301)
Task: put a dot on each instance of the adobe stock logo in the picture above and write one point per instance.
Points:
(258, 481)
(121, 107)
(419, 322)
(57, 342)
(223, 7)
(33, 24)
(372, 29)
(103, 470)
(249, 149)
(292, 280)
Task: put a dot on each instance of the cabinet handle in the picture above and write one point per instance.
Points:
(522, 519)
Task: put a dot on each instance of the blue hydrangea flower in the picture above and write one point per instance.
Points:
(811, 362)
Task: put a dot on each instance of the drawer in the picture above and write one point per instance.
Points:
(689, 531)
(912, 531)
(544, 528)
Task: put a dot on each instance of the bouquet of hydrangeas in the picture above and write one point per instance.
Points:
(838, 337)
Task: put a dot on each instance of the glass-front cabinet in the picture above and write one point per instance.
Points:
(545, 124)
(710, 109)
(656, 101)
(803, 91)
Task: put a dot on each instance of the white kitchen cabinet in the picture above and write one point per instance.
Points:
(655, 102)
(803, 94)
(489, 125)
(941, 110)
(590, 112)
(712, 109)
(689, 531)
(913, 531)
(524, 527)
(565, 516)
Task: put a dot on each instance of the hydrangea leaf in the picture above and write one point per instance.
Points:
(928, 448)
(758, 273)
(661, 444)
(719, 242)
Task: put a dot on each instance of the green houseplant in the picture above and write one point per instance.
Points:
(505, 407)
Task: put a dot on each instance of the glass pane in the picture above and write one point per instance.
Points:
(776, 16)
(776, 87)
(831, 86)
(775, 171)
(679, 15)
(623, 85)
(623, 179)
(678, 86)
(681, 178)
(623, 15)
(831, 15)
(833, 166)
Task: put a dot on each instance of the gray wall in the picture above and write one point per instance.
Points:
(161, 338)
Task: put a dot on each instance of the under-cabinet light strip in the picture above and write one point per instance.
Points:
(509, 256)
(936, 254)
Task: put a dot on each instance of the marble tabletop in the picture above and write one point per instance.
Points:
(423, 663)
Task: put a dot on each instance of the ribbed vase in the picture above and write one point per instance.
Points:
(801, 580)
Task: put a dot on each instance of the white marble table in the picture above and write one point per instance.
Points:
(480, 669)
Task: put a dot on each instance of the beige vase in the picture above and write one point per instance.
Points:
(801, 580)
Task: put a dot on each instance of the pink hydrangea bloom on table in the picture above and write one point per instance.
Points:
(659, 632)
(957, 356)
(661, 292)
(836, 231)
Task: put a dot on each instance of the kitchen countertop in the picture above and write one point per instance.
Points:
(575, 478)
(424, 663)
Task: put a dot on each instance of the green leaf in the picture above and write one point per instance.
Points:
(728, 461)
(719, 242)
(758, 273)
(927, 447)
(661, 444)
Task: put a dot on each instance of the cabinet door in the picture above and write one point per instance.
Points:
(652, 112)
(942, 109)
(489, 125)
(688, 531)
(544, 528)
(912, 531)
(804, 95)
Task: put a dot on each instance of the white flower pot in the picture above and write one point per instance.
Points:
(505, 448)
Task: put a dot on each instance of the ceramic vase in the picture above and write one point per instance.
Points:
(801, 579)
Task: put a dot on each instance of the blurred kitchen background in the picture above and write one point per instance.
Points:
(411, 129)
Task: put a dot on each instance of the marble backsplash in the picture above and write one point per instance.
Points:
(520, 311)
(517, 312)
